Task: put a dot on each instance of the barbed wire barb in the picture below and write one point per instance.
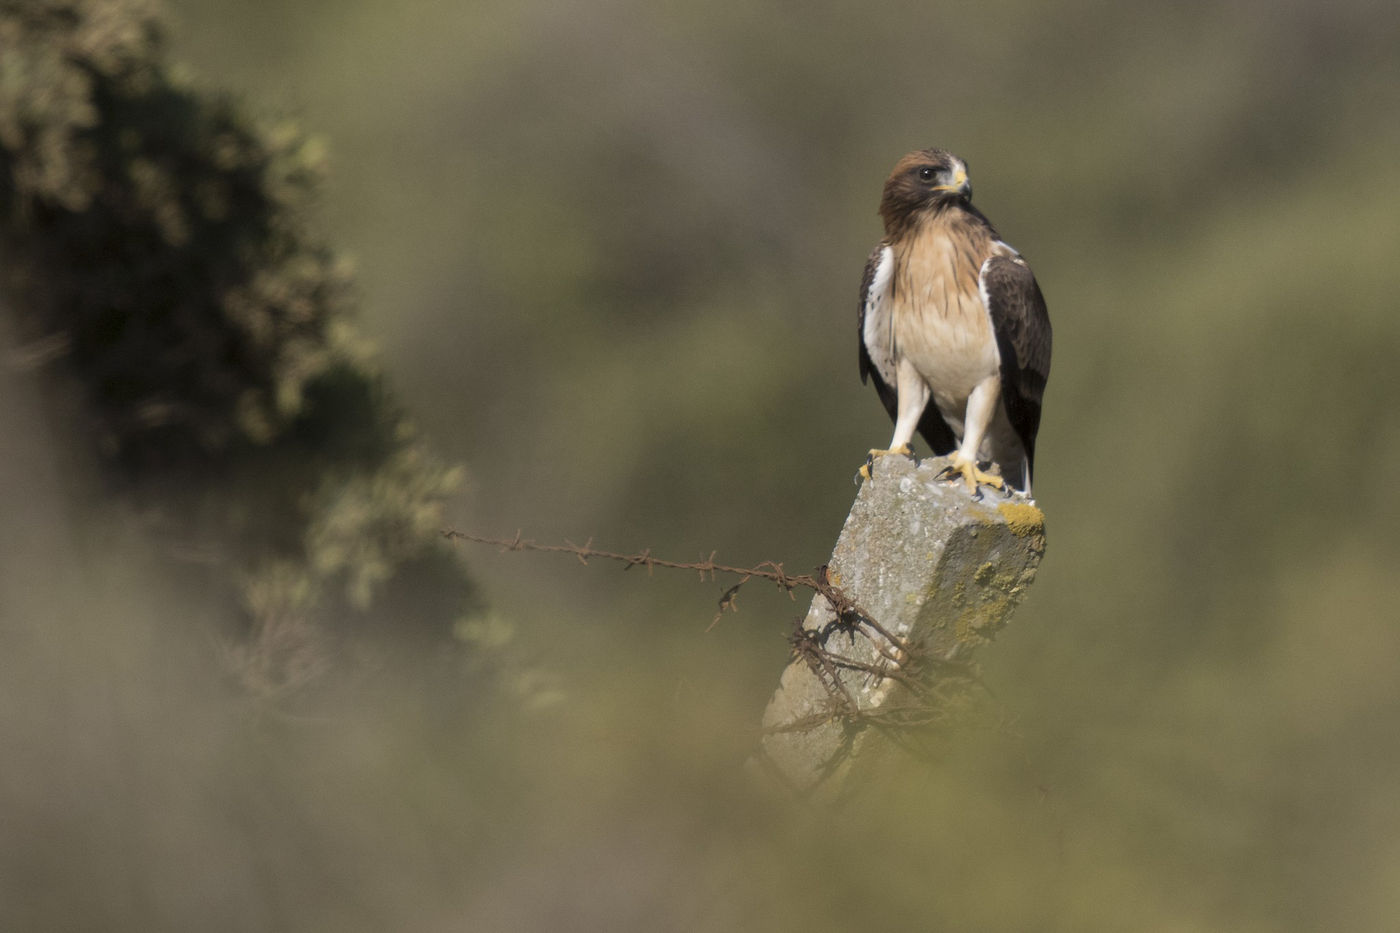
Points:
(848, 614)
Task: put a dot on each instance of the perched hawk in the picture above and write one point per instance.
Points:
(950, 314)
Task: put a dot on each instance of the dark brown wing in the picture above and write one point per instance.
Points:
(1022, 326)
(877, 350)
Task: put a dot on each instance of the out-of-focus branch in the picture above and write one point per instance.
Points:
(157, 261)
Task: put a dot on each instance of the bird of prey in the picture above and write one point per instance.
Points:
(951, 315)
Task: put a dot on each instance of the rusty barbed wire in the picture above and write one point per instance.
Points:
(849, 616)
(900, 660)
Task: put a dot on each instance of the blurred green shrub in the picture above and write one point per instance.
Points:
(153, 237)
(158, 229)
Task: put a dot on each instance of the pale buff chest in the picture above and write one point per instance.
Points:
(941, 325)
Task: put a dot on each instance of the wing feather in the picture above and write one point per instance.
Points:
(1022, 326)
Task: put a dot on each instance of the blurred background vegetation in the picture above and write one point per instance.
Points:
(609, 253)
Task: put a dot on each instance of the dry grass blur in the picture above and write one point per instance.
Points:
(610, 252)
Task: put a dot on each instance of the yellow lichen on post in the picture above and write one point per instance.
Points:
(1022, 518)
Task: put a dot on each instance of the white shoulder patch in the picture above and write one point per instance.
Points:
(982, 286)
(1006, 250)
(879, 328)
(884, 271)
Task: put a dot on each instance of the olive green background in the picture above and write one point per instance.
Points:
(609, 252)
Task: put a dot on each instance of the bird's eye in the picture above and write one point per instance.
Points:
(927, 173)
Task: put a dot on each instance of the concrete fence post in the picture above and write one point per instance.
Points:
(925, 574)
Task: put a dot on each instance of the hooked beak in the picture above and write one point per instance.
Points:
(961, 185)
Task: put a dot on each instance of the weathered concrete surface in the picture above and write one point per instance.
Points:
(933, 567)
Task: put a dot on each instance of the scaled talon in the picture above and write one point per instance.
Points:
(972, 476)
(866, 469)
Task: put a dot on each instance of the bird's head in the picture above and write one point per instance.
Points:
(928, 178)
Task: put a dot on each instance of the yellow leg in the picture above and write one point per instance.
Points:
(867, 470)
